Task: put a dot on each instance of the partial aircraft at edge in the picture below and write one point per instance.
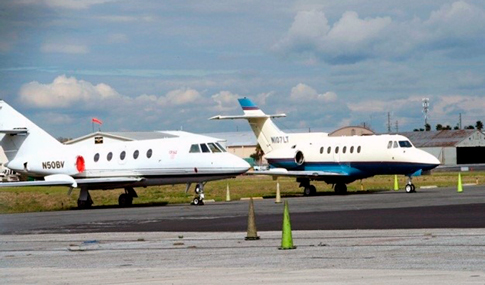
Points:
(334, 160)
(178, 159)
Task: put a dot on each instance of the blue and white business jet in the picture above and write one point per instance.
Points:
(179, 158)
(334, 160)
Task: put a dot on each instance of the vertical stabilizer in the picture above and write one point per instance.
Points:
(19, 136)
(269, 136)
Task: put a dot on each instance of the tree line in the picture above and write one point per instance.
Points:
(440, 127)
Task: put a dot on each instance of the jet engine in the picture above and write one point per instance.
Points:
(286, 158)
(50, 164)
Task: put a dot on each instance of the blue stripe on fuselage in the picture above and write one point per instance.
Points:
(358, 169)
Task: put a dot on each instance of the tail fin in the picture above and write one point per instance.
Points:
(20, 135)
(269, 136)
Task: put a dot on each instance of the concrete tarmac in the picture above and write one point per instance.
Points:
(426, 256)
(435, 236)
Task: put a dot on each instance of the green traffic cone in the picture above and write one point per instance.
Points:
(460, 187)
(396, 185)
(286, 239)
(252, 232)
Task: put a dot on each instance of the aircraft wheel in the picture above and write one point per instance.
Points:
(196, 201)
(410, 188)
(307, 191)
(125, 200)
(83, 204)
(313, 190)
(197, 189)
(341, 188)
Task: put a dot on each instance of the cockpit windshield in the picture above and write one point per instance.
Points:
(405, 144)
(213, 147)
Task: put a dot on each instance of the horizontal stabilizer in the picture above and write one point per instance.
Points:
(14, 131)
(219, 117)
(50, 180)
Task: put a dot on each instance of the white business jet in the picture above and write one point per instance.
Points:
(334, 160)
(178, 159)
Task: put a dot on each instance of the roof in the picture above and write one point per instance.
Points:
(442, 138)
(236, 138)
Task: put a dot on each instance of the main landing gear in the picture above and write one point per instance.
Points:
(199, 190)
(340, 188)
(126, 199)
(410, 188)
(308, 189)
(84, 201)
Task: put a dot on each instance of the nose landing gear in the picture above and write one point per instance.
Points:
(410, 188)
(199, 190)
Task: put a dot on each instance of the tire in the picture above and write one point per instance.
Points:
(307, 191)
(124, 200)
(341, 188)
(313, 190)
(409, 188)
(196, 201)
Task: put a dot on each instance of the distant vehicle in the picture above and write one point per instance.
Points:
(260, 167)
(178, 159)
(334, 160)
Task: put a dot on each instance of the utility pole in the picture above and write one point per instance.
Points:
(425, 110)
(397, 127)
(388, 122)
(460, 122)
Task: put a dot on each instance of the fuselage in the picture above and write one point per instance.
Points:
(160, 161)
(358, 156)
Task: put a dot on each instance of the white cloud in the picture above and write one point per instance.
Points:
(348, 39)
(352, 39)
(225, 101)
(65, 92)
(180, 96)
(64, 48)
(305, 94)
(74, 4)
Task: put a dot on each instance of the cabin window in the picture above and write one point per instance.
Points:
(395, 144)
(135, 154)
(96, 157)
(352, 149)
(329, 149)
(344, 149)
(389, 145)
(213, 147)
(149, 153)
(405, 144)
(321, 150)
(194, 148)
(110, 156)
(122, 155)
(204, 147)
(221, 147)
(358, 149)
(336, 149)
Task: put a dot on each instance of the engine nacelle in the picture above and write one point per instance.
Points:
(50, 164)
(286, 158)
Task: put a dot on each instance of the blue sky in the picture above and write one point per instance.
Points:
(165, 65)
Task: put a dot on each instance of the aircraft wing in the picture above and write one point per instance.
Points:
(66, 180)
(296, 173)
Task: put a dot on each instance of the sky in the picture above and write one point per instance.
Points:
(170, 65)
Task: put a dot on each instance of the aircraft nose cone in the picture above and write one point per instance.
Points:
(431, 160)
